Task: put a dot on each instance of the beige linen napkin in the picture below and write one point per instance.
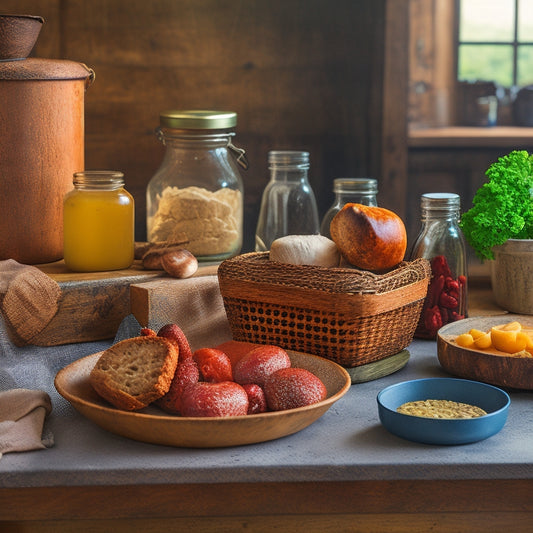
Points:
(29, 299)
(197, 308)
(22, 415)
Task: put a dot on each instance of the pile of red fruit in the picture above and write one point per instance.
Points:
(234, 379)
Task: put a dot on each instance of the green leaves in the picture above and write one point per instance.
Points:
(502, 208)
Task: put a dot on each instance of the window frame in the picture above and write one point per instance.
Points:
(515, 43)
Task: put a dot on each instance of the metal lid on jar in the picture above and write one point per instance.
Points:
(198, 119)
(356, 185)
(440, 200)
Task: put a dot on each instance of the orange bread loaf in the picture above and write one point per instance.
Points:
(370, 238)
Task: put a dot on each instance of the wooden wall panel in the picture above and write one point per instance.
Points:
(431, 63)
(301, 74)
(394, 107)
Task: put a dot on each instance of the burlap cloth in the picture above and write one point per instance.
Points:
(29, 299)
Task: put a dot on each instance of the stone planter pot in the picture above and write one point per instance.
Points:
(512, 276)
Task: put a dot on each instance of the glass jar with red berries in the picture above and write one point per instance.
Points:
(442, 243)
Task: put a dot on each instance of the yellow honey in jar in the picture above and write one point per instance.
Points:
(98, 223)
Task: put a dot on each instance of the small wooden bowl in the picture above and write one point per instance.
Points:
(18, 35)
(500, 370)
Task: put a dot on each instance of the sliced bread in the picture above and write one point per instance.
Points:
(135, 372)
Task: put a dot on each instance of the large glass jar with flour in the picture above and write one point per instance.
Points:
(197, 193)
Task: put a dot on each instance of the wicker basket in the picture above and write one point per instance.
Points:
(349, 316)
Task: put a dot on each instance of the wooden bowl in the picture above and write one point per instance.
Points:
(18, 35)
(154, 426)
(501, 370)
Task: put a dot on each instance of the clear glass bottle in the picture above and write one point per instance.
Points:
(349, 190)
(288, 204)
(442, 243)
(98, 223)
(197, 192)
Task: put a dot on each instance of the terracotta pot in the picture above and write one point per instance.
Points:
(41, 146)
(512, 276)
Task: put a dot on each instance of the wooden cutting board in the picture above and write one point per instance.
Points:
(93, 304)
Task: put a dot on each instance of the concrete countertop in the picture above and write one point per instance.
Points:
(348, 443)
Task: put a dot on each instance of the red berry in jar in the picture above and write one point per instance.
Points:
(442, 243)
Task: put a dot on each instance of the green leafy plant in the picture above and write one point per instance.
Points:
(502, 207)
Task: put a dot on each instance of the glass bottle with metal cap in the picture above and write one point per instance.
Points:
(350, 190)
(442, 243)
(197, 192)
(288, 204)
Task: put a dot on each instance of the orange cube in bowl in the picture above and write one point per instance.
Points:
(483, 342)
(465, 340)
(508, 341)
(476, 333)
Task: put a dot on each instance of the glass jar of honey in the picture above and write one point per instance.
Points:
(98, 223)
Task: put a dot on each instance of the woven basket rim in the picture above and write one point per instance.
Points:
(257, 267)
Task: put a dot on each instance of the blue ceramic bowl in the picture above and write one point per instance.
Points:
(443, 431)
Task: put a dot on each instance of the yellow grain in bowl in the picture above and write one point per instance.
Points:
(440, 409)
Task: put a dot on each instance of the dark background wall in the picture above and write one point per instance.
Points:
(301, 74)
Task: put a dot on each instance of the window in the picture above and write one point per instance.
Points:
(495, 41)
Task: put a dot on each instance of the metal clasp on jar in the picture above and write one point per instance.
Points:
(241, 158)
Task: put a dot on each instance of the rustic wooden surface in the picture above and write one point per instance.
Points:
(511, 137)
(301, 74)
(414, 506)
(93, 304)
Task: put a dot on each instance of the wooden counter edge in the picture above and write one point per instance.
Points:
(481, 503)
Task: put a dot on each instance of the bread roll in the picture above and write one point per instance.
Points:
(305, 250)
(135, 372)
(370, 238)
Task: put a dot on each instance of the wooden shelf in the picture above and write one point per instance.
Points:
(466, 137)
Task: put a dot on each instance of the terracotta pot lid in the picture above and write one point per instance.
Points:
(18, 34)
(36, 69)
